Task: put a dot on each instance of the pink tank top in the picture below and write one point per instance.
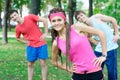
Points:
(81, 53)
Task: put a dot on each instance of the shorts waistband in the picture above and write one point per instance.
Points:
(90, 71)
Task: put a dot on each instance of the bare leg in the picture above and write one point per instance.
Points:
(30, 70)
(44, 69)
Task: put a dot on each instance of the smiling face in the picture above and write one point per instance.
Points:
(58, 23)
(81, 17)
(15, 17)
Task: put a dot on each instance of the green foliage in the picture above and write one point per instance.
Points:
(108, 7)
(79, 5)
(1, 5)
(17, 4)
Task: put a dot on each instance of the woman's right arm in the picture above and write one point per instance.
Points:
(55, 62)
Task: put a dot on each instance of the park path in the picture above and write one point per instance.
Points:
(13, 36)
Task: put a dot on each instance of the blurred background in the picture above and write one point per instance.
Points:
(42, 7)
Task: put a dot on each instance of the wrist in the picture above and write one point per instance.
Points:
(104, 55)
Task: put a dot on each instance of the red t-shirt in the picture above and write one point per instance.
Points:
(30, 30)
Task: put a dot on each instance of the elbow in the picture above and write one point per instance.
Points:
(113, 21)
(103, 33)
(17, 39)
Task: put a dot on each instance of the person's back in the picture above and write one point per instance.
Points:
(104, 26)
(100, 21)
(112, 46)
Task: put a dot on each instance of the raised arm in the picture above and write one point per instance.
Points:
(97, 32)
(84, 28)
(111, 20)
(45, 23)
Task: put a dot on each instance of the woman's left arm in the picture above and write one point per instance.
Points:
(101, 34)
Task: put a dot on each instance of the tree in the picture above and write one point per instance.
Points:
(4, 28)
(59, 3)
(71, 10)
(1, 8)
(18, 4)
(90, 8)
(108, 7)
(35, 6)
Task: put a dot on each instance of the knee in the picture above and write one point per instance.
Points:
(43, 63)
(30, 64)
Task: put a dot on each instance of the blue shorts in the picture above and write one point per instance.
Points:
(33, 53)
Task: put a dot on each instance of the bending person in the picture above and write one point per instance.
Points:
(34, 38)
(72, 41)
(101, 22)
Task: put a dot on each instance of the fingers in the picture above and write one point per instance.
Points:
(43, 37)
(74, 68)
(98, 61)
(115, 39)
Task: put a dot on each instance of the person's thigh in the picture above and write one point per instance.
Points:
(42, 52)
(111, 64)
(31, 54)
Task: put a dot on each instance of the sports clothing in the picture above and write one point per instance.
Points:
(30, 30)
(90, 76)
(109, 35)
(81, 53)
(111, 60)
(36, 52)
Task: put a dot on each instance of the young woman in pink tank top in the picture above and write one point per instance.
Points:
(72, 41)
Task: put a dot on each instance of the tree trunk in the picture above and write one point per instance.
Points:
(115, 11)
(8, 25)
(59, 3)
(4, 28)
(0, 14)
(35, 7)
(71, 10)
(0, 21)
(90, 8)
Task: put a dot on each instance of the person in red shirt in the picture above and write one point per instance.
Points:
(34, 38)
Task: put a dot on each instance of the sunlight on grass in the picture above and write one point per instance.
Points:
(13, 64)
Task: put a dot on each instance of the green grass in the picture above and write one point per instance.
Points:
(13, 63)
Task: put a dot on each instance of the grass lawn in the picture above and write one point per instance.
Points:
(13, 64)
